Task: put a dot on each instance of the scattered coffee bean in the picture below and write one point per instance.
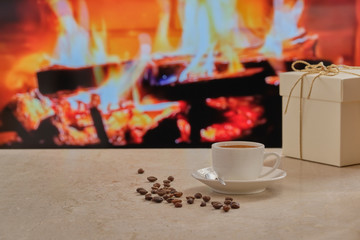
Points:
(198, 195)
(157, 199)
(178, 205)
(178, 194)
(151, 179)
(176, 201)
(171, 195)
(161, 192)
(217, 205)
(143, 191)
(215, 202)
(140, 189)
(206, 198)
(148, 197)
(226, 208)
(235, 205)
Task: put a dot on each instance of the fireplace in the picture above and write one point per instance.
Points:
(158, 73)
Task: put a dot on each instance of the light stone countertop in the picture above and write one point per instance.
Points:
(90, 194)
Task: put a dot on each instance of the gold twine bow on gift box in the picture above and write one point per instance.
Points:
(321, 70)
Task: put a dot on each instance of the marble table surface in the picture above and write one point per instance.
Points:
(90, 194)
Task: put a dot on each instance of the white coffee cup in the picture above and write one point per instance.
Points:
(240, 160)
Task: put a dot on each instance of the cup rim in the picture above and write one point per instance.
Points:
(218, 145)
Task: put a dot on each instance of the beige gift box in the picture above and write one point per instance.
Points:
(330, 118)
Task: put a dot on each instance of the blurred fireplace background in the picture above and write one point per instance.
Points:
(158, 73)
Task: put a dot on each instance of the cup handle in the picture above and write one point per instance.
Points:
(276, 165)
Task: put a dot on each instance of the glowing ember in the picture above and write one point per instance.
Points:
(241, 115)
(9, 138)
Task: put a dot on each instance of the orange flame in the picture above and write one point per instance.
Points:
(210, 32)
(284, 28)
(76, 45)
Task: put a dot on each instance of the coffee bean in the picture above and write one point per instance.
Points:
(156, 185)
(227, 202)
(178, 194)
(167, 185)
(202, 204)
(161, 192)
(151, 179)
(140, 171)
(217, 205)
(198, 195)
(190, 197)
(166, 181)
(176, 201)
(140, 188)
(178, 205)
(229, 198)
(157, 199)
(154, 191)
(215, 202)
(169, 200)
(166, 196)
(226, 208)
(171, 178)
(143, 191)
(235, 205)
(206, 198)
(190, 201)
(148, 197)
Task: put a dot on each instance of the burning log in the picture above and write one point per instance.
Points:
(60, 78)
(13, 124)
(18, 135)
(28, 114)
(167, 71)
(162, 79)
(97, 119)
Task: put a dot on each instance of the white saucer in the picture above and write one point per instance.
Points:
(240, 186)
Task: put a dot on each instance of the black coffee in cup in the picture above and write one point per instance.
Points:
(237, 146)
